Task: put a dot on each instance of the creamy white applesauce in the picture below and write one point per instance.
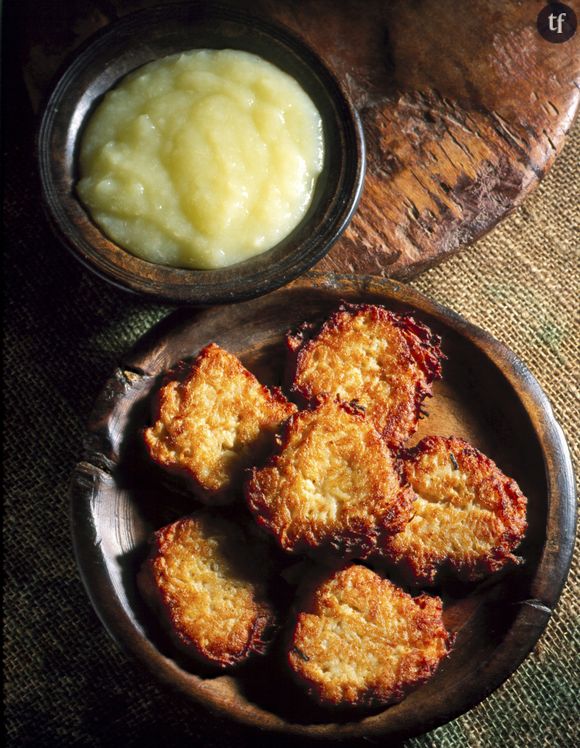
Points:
(201, 159)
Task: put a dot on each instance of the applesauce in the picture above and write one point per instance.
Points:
(201, 159)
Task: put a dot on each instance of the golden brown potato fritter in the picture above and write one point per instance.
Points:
(383, 361)
(362, 641)
(467, 515)
(213, 422)
(208, 581)
(333, 485)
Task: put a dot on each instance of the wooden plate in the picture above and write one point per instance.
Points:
(487, 397)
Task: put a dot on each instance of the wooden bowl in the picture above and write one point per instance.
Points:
(487, 396)
(141, 37)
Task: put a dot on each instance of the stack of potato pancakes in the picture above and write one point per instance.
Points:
(317, 487)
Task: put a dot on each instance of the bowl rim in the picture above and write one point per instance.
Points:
(181, 285)
(532, 615)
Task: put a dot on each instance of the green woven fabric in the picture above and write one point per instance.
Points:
(66, 683)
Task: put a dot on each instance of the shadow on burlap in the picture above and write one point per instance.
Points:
(65, 682)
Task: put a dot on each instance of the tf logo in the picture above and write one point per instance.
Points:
(557, 23)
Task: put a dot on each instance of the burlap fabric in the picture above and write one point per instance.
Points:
(66, 683)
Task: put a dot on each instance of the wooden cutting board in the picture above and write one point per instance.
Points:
(465, 107)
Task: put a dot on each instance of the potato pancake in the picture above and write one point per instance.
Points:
(332, 487)
(361, 641)
(212, 422)
(384, 362)
(468, 516)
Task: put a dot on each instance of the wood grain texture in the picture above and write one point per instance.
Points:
(464, 105)
(487, 397)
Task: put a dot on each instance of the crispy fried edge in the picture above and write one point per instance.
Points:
(347, 544)
(184, 373)
(512, 513)
(260, 633)
(424, 347)
(311, 597)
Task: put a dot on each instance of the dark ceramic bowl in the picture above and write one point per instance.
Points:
(148, 35)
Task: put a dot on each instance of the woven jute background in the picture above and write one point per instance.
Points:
(66, 683)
